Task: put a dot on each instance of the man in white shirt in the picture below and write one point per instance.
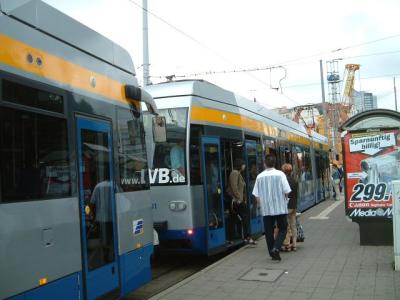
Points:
(271, 190)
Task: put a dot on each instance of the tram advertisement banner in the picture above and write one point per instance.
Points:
(371, 163)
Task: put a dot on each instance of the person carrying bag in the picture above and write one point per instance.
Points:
(237, 191)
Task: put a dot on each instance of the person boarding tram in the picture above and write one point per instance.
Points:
(239, 209)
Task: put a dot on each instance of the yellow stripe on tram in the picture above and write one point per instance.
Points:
(15, 54)
(209, 115)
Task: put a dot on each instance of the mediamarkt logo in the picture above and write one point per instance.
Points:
(372, 212)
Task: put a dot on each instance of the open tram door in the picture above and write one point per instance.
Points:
(254, 163)
(213, 194)
(97, 208)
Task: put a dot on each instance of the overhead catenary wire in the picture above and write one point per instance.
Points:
(274, 66)
(194, 40)
(208, 48)
(181, 32)
(248, 71)
(360, 78)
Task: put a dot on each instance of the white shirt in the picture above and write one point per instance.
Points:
(271, 186)
(102, 198)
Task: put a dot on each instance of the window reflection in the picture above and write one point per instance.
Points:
(34, 160)
(97, 192)
(132, 151)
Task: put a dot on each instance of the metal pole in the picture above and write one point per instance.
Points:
(323, 98)
(395, 92)
(396, 222)
(146, 65)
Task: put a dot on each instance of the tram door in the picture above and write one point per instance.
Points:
(253, 161)
(97, 206)
(213, 199)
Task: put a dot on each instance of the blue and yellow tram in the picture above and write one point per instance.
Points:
(207, 129)
(74, 224)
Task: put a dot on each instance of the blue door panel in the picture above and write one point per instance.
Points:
(106, 277)
(256, 226)
(101, 281)
(215, 237)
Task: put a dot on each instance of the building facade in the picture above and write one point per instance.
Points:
(364, 101)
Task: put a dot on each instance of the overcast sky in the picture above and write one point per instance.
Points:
(191, 36)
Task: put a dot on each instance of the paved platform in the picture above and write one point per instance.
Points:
(330, 264)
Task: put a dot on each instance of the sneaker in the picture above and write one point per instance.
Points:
(251, 241)
(275, 255)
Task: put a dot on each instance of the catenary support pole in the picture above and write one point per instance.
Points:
(395, 92)
(396, 222)
(146, 65)
(323, 98)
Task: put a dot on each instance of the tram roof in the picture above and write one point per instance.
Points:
(53, 22)
(207, 90)
(319, 137)
(200, 88)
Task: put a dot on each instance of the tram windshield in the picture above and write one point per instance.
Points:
(132, 151)
(167, 159)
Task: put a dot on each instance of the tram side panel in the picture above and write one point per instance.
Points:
(39, 233)
(135, 238)
(34, 249)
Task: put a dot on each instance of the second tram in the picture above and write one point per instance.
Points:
(207, 129)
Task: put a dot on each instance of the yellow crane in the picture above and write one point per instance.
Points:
(347, 99)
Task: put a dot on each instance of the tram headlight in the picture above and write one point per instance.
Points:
(177, 205)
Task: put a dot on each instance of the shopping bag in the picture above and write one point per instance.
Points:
(300, 231)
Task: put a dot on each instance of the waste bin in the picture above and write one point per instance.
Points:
(371, 157)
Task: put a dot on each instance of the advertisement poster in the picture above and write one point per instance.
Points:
(372, 161)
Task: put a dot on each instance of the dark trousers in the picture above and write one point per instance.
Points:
(269, 224)
(244, 215)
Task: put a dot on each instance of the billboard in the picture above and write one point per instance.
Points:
(371, 162)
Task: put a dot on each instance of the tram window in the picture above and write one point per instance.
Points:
(25, 95)
(194, 158)
(287, 155)
(34, 158)
(260, 161)
(295, 166)
(169, 159)
(132, 155)
(319, 165)
(307, 174)
(298, 159)
(269, 144)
